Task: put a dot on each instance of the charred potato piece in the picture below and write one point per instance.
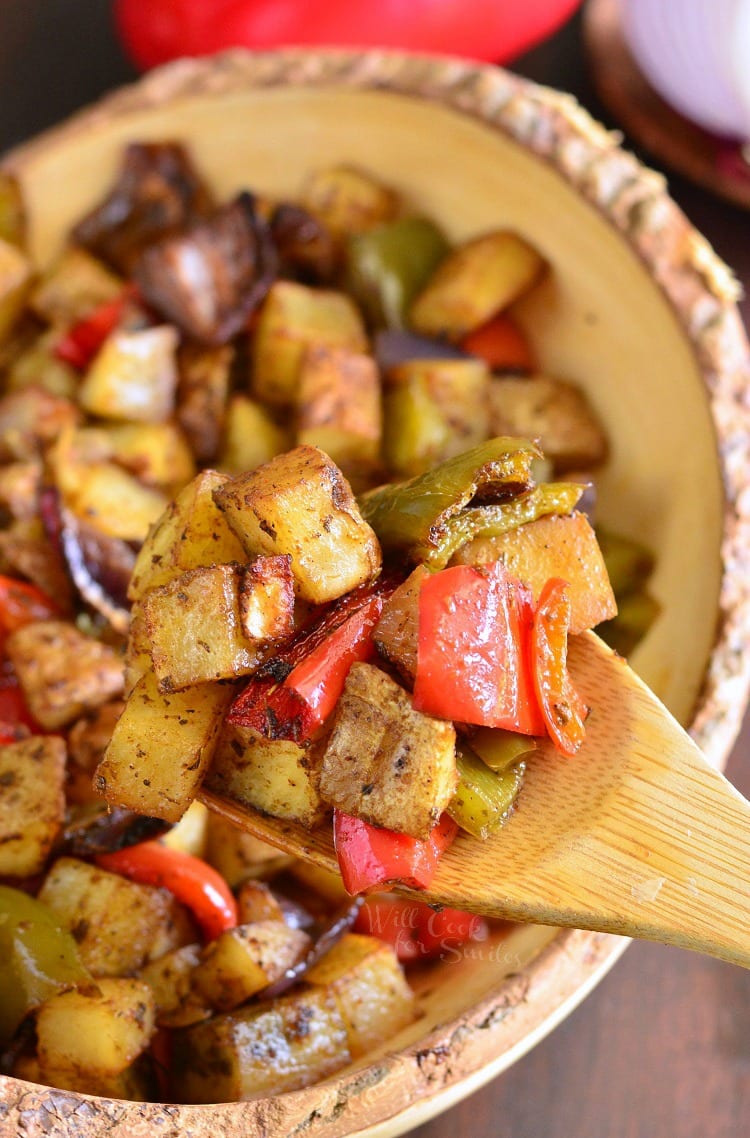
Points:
(474, 282)
(262, 1049)
(365, 978)
(246, 959)
(118, 924)
(300, 504)
(133, 376)
(293, 318)
(348, 200)
(564, 547)
(73, 286)
(251, 436)
(170, 736)
(57, 693)
(202, 394)
(89, 1035)
(256, 902)
(275, 776)
(190, 533)
(32, 802)
(384, 761)
(554, 412)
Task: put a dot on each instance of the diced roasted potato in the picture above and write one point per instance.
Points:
(15, 281)
(30, 419)
(170, 979)
(433, 410)
(75, 285)
(133, 376)
(137, 650)
(251, 437)
(474, 282)
(36, 365)
(348, 200)
(87, 1034)
(266, 599)
(563, 547)
(190, 533)
(20, 483)
(246, 959)
(366, 980)
(194, 629)
(384, 761)
(191, 832)
(32, 802)
(157, 453)
(118, 924)
(89, 736)
(276, 776)
(57, 693)
(300, 504)
(554, 412)
(339, 407)
(256, 902)
(202, 394)
(172, 736)
(262, 1049)
(293, 318)
(397, 631)
(239, 856)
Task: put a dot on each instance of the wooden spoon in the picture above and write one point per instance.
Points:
(636, 835)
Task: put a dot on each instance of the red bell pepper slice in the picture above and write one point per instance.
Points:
(473, 658)
(82, 341)
(192, 881)
(563, 709)
(416, 931)
(373, 858)
(501, 344)
(319, 659)
(21, 603)
(16, 721)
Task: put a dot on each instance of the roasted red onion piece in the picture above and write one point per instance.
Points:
(395, 346)
(306, 248)
(156, 193)
(105, 831)
(209, 279)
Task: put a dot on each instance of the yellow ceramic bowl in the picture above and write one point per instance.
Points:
(636, 309)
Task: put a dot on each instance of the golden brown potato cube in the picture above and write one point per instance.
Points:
(292, 319)
(15, 280)
(73, 287)
(275, 776)
(108, 498)
(32, 802)
(366, 980)
(190, 533)
(256, 902)
(30, 419)
(300, 504)
(348, 200)
(118, 924)
(161, 747)
(474, 282)
(190, 834)
(339, 407)
(246, 959)
(397, 631)
(36, 365)
(193, 629)
(157, 453)
(202, 393)
(239, 856)
(554, 412)
(137, 1083)
(133, 376)
(563, 547)
(57, 693)
(170, 979)
(137, 650)
(98, 1034)
(384, 761)
(251, 436)
(266, 599)
(262, 1049)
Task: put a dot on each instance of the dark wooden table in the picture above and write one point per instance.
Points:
(662, 1047)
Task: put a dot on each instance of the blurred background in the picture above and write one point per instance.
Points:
(662, 1047)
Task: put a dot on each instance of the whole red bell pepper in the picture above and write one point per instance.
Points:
(372, 858)
(192, 881)
(474, 658)
(563, 709)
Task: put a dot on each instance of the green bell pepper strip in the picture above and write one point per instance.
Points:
(38, 958)
(411, 516)
(500, 749)
(387, 266)
(483, 797)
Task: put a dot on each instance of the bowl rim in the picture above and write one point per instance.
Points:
(702, 293)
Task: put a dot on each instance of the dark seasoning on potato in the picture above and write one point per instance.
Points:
(204, 406)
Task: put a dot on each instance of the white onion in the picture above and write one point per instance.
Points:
(696, 54)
